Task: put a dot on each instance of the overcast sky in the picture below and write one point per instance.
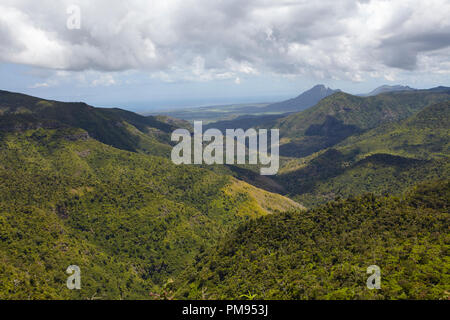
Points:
(146, 54)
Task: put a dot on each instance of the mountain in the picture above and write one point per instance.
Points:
(266, 116)
(179, 123)
(130, 221)
(251, 114)
(325, 253)
(303, 101)
(94, 187)
(116, 127)
(439, 89)
(386, 159)
(341, 115)
(425, 135)
(386, 89)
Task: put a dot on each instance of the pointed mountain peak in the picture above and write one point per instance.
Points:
(319, 89)
(303, 101)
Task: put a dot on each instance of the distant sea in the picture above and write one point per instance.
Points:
(156, 106)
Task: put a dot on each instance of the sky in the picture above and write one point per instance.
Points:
(145, 55)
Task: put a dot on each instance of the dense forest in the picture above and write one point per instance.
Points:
(129, 221)
(386, 159)
(324, 253)
(363, 181)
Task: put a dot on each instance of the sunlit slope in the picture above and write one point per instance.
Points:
(130, 221)
(324, 253)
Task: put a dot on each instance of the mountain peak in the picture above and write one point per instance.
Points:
(319, 91)
(320, 87)
(389, 88)
(303, 101)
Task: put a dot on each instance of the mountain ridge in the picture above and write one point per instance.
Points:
(386, 89)
(387, 158)
(303, 101)
(342, 115)
(129, 220)
(113, 126)
(190, 232)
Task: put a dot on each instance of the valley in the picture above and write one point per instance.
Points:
(362, 180)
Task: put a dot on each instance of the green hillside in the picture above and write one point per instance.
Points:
(94, 187)
(386, 159)
(324, 253)
(341, 115)
(119, 128)
(130, 221)
(424, 135)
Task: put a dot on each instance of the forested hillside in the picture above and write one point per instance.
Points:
(342, 115)
(424, 135)
(324, 253)
(116, 127)
(215, 152)
(130, 221)
(94, 187)
(386, 159)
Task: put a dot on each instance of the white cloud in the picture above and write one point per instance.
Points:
(40, 85)
(203, 40)
(105, 80)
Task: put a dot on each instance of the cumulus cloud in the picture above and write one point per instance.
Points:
(205, 40)
(104, 80)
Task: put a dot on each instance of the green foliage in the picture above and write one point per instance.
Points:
(71, 192)
(119, 128)
(424, 135)
(129, 221)
(324, 253)
(365, 113)
(342, 115)
(248, 296)
(386, 159)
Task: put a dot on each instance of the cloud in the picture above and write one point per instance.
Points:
(86, 79)
(40, 85)
(203, 40)
(104, 80)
